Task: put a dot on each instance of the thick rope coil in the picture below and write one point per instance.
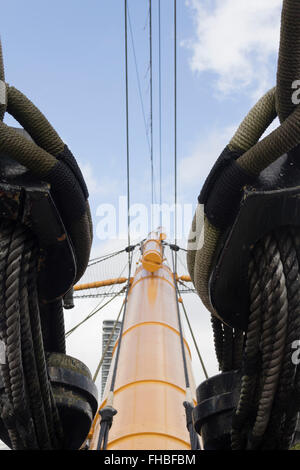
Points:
(47, 157)
(273, 334)
(228, 345)
(269, 379)
(238, 345)
(52, 416)
(29, 413)
(7, 413)
(288, 427)
(227, 363)
(13, 346)
(289, 58)
(218, 339)
(267, 411)
(2, 86)
(281, 428)
(29, 361)
(251, 357)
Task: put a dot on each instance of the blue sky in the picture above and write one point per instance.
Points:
(68, 57)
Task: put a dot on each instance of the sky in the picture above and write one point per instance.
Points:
(67, 56)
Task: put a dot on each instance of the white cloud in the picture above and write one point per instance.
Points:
(104, 187)
(238, 41)
(195, 167)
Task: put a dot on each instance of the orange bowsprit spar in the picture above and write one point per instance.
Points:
(150, 385)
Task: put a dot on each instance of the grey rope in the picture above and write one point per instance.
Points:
(127, 123)
(94, 312)
(252, 354)
(13, 347)
(113, 380)
(151, 110)
(194, 340)
(29, 361)
(227, 355)
(289, 58)
(175, 127)
(52, 416)
(2, 85)
(160, 103)
(138, 78)
(108, 412)
(273, 334)
(188, 405)
(7, 412)
(282, 427)
(218, 339)
(267, 410)
(29, 412)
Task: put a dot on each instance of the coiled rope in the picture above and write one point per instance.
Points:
(267, 410)
(28, 328)
(228, 344)
(50, 159)
(30, 412)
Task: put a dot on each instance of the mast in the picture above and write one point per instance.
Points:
(150, 385)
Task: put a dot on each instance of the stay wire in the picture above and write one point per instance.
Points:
(110, 291)
(186, 375)
(94, 261)
(93, 313)
(160, 111)
(108, 343)
(113, 380)
(175, 126)
(151, 111)
(108, 412)
(188, 403)
(138, 78)
(127, 125)
(194, 339)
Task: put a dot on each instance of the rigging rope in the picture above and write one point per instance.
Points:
(194, 340)
(99, 306)
(188, 403)
(247, 157)
(160, 113)
(29, 413)
(267, 411)
(93, 313)
(138, 79)
(104, 257)
(175, 126)
(151, 111)
(108, 412)
(127, 125)
(29, 327)
(2, 86)
(108, 344)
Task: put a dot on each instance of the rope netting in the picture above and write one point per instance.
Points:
(114, 266)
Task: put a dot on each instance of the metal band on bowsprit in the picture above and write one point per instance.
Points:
(2, 93)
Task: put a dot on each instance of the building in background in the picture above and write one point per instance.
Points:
(107, 328)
